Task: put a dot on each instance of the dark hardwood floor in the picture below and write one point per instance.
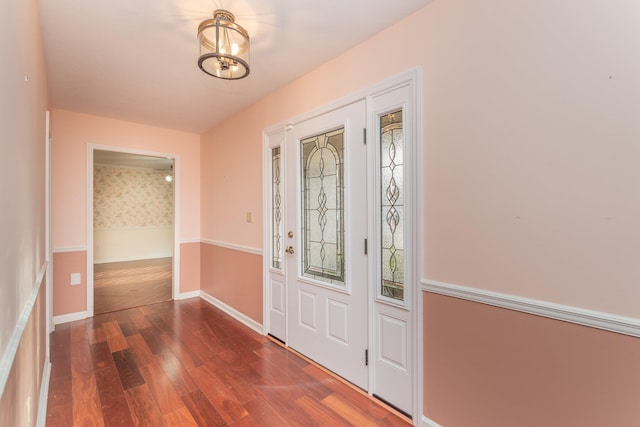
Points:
(186, 363)
(120, 285)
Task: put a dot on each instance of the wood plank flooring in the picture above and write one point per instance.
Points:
(120, 285)
(186, 363)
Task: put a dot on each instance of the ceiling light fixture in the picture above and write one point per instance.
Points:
(224, 47)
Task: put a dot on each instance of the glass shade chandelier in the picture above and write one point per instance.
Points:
(224, 47)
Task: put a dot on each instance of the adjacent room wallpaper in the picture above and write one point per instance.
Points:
(127, 197)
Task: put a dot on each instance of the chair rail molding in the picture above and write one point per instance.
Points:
(595, 319)
(247, 249)
(8, 356)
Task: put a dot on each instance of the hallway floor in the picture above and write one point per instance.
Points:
(186, 363)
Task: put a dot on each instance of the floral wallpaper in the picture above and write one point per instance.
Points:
(131, 198)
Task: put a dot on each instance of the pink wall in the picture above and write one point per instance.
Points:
(530, 154)
(69, 299)
(23, 107)
(23, 264)
(232, 182)
(72, 133)
(488, 366)
(233, 277)
(189, 267)
(530, 164)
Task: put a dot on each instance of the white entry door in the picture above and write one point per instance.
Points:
(325, 231)
(326, 192)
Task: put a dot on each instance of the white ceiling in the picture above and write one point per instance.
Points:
(136, 60)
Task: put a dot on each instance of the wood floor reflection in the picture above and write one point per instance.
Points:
(120, 285)
(186, 363)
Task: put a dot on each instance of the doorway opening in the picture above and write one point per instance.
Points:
(133, 230)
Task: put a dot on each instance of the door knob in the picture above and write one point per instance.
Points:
(290, 234)
(289, 250)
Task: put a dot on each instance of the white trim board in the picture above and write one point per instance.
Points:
(242, 318)
(188, 241)
(427, 422)
(247, 249)
(18, 331)
(69, 249)
(71, 317)
(187, 295)
(41, 419)
(133, 258)
(580, 316)
(135, 228)
(419, 248)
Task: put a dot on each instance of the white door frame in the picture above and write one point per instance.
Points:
(412, 77)
(176, 212)
(48, 243)
(274, 295)
(393, 326)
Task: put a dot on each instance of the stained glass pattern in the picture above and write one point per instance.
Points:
(322, 171)
(392, 206)
(276, 203)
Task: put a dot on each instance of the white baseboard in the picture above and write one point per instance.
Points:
(580, 316)
(132, 258)
(187, 295)
(427, 422)
(44, 394)
(247, 321)
(71, 317)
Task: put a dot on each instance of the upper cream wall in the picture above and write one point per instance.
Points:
(530, 145)
(23, 103)
(73, 132)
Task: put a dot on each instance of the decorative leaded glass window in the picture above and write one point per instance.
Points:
(323, 207)
(392, 205)
(276, 203)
